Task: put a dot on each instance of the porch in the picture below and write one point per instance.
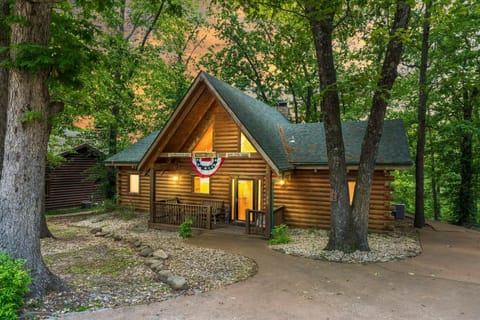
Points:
(211, 214)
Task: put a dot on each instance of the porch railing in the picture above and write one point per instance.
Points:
(256, 221)
(177, 213)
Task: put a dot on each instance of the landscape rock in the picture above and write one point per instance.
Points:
(100, 234)
(117, 237)
(177, 283)
(160, 254)
(95, 230)
(150, 262)
(146, 252)
(157, 265)
(163, 275)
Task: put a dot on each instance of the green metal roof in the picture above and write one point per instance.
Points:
(306, 143)
(134, 153)
(275, 135)
(260, 120)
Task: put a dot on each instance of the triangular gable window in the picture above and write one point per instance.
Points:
(245, 145)
(206, 143)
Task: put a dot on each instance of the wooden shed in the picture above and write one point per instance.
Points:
(69, 184)
(223, 148)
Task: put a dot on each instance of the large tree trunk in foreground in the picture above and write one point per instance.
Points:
(341, 232)
(422, 115)
(371, 140)
(349, 225)
(23, 178)
(4, 43)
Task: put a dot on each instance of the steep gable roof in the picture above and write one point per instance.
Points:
(282, 144)
(261, 123)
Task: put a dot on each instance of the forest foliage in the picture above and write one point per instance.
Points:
(133, 61)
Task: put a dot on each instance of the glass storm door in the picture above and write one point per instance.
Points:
(244, 197)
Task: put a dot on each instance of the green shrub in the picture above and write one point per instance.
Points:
(280, 235)
(186, 229)
(14, 281)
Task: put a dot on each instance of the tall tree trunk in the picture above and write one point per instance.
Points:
(433, 174)
(419, 221)
(23, 178)
(4, 42)
(466, 201)
(435, 190)
(342, 235)
(371, 140)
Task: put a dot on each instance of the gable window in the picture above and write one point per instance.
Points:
(201, 185)
(134, 183)
(206, 142)
(245, 145)
(351, 190)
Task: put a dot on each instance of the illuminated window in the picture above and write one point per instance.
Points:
(201, 185)
(245, 145)
(351, 190)
(206, 143)
(134, 183)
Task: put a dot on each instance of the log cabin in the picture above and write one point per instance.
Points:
(223, 151)
(69, 184)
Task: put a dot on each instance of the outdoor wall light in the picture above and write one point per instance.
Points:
(175, 178)
(281, 182)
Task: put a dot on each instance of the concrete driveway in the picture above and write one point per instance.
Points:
(442, 283)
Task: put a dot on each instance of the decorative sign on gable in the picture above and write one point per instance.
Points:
(206, 167)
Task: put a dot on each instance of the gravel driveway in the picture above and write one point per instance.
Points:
(442, 283)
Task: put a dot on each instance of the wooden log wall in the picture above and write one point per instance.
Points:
(226, 139)
(138, 201)
(68, 184)
(306, 197)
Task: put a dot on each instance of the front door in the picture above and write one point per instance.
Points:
(244, 196)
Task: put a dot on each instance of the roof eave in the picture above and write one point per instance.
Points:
(259, 149)
(142, 162)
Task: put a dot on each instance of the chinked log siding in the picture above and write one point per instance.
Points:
(306, 197)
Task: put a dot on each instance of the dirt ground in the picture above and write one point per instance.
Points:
(442, 283)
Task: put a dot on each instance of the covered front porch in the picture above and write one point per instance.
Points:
(212, 214)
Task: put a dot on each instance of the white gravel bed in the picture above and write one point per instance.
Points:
(383, 247)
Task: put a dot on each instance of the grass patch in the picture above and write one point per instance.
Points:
(93, 264)
(56, 212)
(63, 231)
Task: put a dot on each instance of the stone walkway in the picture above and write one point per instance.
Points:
(441, 283)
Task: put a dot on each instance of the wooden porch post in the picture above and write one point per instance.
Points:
(268, 201)
(153, 174)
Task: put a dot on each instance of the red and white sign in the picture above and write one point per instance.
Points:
(206, 167)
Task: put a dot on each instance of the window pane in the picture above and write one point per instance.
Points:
(206, 143)
(245, 145)
(201, 185)
(134, 183)
(351, 189)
